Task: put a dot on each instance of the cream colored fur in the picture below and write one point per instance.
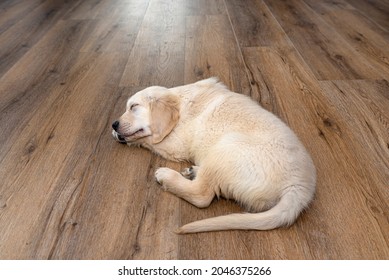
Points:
(240, 152)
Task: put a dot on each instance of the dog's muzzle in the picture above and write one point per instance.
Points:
(116, 135)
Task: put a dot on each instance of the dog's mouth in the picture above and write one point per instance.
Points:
(124, 138)
(118, 137)
(121, 139)
(131, 135)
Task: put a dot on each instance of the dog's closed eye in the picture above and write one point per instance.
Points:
(132, 107)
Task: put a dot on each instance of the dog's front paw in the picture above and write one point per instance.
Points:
(163, 175)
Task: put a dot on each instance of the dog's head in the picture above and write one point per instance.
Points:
(151, 114)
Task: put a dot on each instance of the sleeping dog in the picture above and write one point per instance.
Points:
(239, 150)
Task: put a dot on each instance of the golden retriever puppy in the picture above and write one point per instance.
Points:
(240, 151)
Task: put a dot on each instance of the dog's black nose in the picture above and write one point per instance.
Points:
(115, 125)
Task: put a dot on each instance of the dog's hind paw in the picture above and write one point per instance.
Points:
(190, 173)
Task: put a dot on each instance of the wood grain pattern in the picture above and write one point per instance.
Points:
(29, 84)
(158, 54)
(68, 191)
(361, 33)
(18, 36)
(255, 26)
(376, 10)
(211, 51)
(313, 38)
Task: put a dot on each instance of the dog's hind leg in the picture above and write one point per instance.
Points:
(195, 192)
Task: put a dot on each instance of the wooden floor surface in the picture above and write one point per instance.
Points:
(69, 191)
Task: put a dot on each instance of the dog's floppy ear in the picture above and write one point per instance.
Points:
(164, 115)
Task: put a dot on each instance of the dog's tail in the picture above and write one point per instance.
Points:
(284, 213)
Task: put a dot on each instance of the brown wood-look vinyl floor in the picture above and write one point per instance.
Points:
(68, 191)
